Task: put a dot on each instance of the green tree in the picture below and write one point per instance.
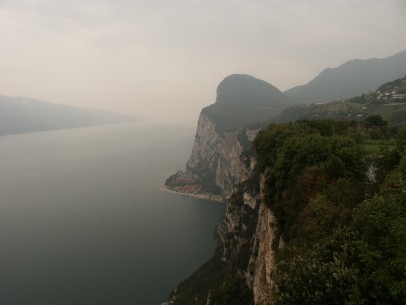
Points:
(375, 121)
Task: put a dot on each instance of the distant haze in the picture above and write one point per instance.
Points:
(21, 115)
(164, 59)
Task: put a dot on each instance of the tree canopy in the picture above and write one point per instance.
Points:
(344, 232)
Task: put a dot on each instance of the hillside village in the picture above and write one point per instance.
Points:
(391, 92)
(388, 101)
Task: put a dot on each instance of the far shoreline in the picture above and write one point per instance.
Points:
(215, 198)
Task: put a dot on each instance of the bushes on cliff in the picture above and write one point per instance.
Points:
(303, 164)
(344, 232)
(359, 263)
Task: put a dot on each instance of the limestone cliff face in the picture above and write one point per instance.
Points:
(205, 145)
(262, 259)
(247, 234)
(215, 156)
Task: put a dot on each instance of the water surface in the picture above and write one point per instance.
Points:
(83, 222)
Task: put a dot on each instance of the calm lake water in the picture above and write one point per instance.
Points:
(83, 222)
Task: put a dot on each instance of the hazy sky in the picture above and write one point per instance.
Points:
(164, 58)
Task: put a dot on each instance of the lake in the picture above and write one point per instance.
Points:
(83, 221)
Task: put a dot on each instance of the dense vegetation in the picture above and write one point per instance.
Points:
(341, 210)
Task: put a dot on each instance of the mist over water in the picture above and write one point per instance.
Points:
(82, 219)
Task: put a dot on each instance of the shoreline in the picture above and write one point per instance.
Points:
(197, 196)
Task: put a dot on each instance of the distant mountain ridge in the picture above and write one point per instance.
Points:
(350, 79)
(21, 115)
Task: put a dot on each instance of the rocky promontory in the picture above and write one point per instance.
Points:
(225, 129)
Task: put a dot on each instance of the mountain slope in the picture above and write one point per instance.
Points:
(388, 101)
(242, 100)
(20, 114)
(350, 79)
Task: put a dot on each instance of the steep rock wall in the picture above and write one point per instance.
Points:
(247, 234)
(215, 156)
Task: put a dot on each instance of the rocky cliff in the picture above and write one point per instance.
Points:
(215, 157)
(247, 235)
(222, 163)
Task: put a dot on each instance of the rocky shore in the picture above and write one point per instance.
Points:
(211, 197)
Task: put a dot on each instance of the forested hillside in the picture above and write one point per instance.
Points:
(338, 192)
